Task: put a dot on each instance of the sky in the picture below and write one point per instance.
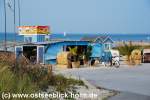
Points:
(83, 16)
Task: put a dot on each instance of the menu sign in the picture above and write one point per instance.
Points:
(31, 30)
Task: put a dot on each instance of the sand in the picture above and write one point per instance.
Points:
(10, 45)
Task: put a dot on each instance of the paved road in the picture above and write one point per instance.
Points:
(127, 79)
(129, 96)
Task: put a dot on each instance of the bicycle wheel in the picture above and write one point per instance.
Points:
(117, 64)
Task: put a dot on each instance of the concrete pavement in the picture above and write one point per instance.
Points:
(129, 96)
(128, 79)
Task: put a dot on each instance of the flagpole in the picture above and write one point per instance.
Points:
(19, 12)
(14, 24)
(5, 44)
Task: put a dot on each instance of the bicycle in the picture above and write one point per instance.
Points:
(115, 62)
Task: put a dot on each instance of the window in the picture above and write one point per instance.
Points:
(47, 38)
(107, 46)
(40, 55)
(28, 39)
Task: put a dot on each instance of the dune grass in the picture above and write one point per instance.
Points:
(20, 77)
(127, 49)
(9, 82)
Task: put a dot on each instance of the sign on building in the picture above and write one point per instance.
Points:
(31, 30)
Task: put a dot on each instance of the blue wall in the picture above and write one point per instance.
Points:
(34, 38)
(51, 52)
(53, 49)
(97, 50)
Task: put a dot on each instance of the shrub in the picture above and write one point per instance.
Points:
(7, 58)
(127, 49)
(23, 77)
(13, 84)
(63, 84)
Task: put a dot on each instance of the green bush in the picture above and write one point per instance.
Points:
(63, 84)
(9, 82)
(23, 77)
(126, 49)
(89, 52)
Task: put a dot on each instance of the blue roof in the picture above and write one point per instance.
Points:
(56, 41)
(99, 39)
(46, 42)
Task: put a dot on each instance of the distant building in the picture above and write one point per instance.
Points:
(46, 52)
(40, 50)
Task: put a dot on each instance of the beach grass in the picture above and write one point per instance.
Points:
(126, 50)
(20, 77)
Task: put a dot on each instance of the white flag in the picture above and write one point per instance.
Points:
(9, 4)
(65, 34)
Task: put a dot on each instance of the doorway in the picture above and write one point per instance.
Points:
(81, 53)
(30, 52)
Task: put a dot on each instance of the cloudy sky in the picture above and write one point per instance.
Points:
(88, 16)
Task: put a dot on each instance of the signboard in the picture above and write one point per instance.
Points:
(32, 30)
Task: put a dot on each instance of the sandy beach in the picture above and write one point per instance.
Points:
(138, 43)
(10, 45)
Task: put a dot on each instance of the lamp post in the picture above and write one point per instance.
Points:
(14, 23)
(19, 12)
(148, 38)
(5, 26)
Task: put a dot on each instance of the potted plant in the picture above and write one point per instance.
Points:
(126, 50)
(74, 58)
(88, 54)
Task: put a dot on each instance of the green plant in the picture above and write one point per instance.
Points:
(126, 49)
(39, 75)
(89, 52)
(63, 84)
(12, 83)
(29, 78)
(73, 50)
